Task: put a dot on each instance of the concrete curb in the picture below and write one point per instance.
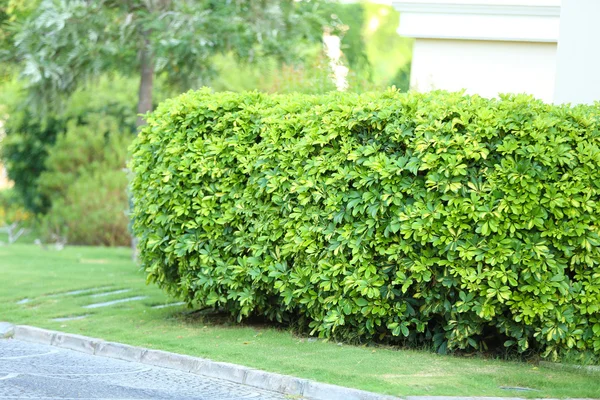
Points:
(285, 384)
(231, 372)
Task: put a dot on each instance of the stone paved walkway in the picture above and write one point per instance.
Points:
(34, 371)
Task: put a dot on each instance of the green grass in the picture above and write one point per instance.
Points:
(28, 271)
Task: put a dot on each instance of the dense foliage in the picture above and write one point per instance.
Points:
(24, 151)
(441, 218)
(11, 209)
(63, 44)
(67, 168)
(86, 183)
(30, 136)
(10, 12)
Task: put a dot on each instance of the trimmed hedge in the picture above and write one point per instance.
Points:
(438, 218)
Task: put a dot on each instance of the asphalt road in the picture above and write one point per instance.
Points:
(34, 371)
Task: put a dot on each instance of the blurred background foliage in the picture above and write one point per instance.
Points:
(71, 86)
(376, 55)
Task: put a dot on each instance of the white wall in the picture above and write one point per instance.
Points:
(484, 46)
(578, 62)
(484, 67)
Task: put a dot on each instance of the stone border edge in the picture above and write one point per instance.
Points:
(284, 384)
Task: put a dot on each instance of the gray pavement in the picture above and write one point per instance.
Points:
(36, 371)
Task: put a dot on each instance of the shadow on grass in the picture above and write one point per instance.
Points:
(220, 318)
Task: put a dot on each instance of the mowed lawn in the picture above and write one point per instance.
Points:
(38, 286)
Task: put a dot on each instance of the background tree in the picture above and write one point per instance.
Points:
(67, 43)
(10, 12)
(377, 57)
(59, 47)
(31, 137)
(84, 61)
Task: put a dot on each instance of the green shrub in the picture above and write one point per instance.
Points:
(409, 218)
(86, 185)
(30, 135)
(92, 211)
(15, 220)
(24, 151)
(11, 209)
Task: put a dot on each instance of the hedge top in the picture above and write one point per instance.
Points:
(437, 217)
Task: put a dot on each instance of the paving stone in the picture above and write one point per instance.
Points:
(180, 303)
(104, 294)
(65, 319)
(519, 388)
(112, 303)
(80, 291)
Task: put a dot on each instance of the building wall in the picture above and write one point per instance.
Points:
(483, 46)
(578, 64)
(485, 67)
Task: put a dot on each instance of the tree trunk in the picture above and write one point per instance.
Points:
(146, 83)
(144, 105)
